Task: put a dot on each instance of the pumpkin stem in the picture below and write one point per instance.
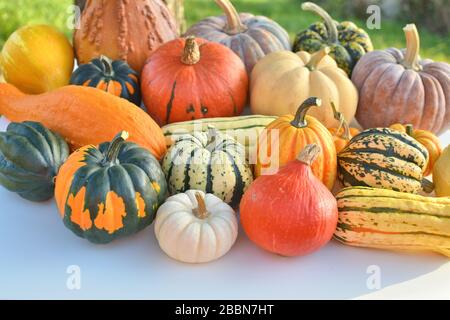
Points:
(309, 154)
(114, 147)
(427, 186)
(212, 136)
(299, 120)
(409, 129)
(234, 23)
(191, 53)
(329, 22)
(107, 64)
(200, 211)
(317, 57)
(342, 123)
(411, 60)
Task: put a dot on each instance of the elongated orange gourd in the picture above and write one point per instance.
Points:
(83, 116)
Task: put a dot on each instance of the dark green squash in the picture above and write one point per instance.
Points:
(111, 191)
(347, 42)
(30, 157)
(115, 77)
(384, 158)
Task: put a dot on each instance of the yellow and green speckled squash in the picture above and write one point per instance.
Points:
(211, 162)
(386, 219)
(384, 158)
(347, 42)
(111, 191)
(244, 129)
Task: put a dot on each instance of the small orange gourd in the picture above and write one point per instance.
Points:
(283, 139)
(343, 133)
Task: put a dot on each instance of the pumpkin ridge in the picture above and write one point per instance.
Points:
(239, 185)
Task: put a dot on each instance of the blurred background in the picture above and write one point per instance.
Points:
(432, 17)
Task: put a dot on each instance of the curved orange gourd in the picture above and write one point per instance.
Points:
(83, 116)
(285, 137)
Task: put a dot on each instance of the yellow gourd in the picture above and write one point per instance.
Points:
(37, 59)
(441, 174)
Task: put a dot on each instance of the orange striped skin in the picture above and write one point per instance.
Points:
(291, 140)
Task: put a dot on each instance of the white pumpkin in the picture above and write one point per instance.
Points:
(195, 228)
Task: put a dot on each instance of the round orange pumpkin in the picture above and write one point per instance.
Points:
(188, 79)
(283, 139)
(425, 138)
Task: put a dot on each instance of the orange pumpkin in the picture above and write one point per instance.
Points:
(283, 139)
(191, 78)
(425, 138)
(343, 133)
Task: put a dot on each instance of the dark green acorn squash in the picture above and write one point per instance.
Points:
(347, 42)
(111, 191)
(384, 158)
(115, 77)
(30, 157)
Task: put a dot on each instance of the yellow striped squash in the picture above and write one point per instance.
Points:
(384, 158)
(244, 129)
(387, 219)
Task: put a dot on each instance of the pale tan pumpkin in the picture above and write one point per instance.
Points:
(281, 81)
(123, 30)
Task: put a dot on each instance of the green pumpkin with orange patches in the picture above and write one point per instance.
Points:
(111, 191)
(115, 77)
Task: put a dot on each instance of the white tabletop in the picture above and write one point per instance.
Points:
(39, 256)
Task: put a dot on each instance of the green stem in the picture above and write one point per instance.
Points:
(299, 119)
(411, 60)
(409, 129)
(212, 137)
(427, 185)
(234, 23)
(107, 64)
(115, 145)
(329, 23)
(342, 123)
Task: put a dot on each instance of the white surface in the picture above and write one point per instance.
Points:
(36, 250)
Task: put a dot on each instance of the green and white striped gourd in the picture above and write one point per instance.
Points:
(208, 161)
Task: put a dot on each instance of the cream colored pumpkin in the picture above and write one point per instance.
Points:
(195, 228)
(281, 81)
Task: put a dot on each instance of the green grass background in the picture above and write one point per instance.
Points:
(14, 14)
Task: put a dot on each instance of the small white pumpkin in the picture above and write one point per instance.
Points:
(195, 228)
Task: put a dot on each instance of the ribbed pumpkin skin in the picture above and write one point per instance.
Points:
(351, 43)
(123, 30)
(281, 81)
(290, 141)
(216, 166)
(391, 92)
(255, 37)
(30, 157)
(214, 86)
(115, 77)
(383, 158)
(386, 219)
(102, 200)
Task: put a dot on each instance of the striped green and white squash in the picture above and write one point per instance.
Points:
(212, 162)
(384, 158)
